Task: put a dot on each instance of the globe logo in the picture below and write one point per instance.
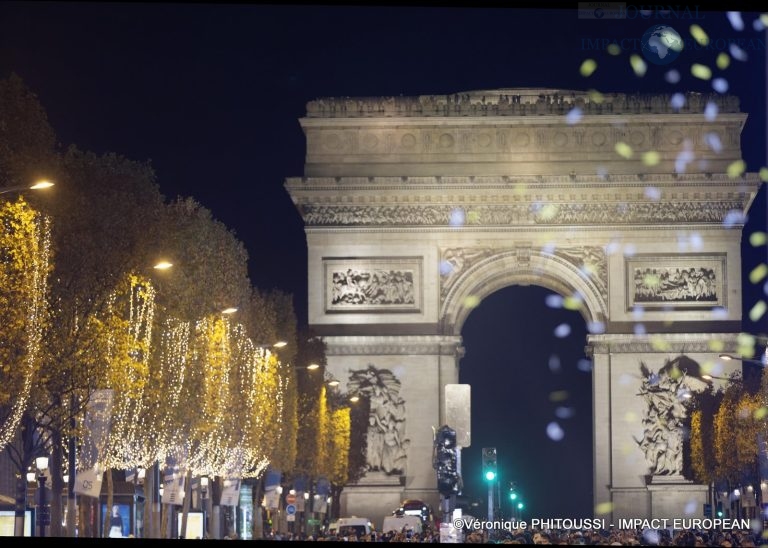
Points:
(661, 44)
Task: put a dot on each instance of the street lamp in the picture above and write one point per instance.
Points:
(36, 186)
(204, 495)
(43, 515)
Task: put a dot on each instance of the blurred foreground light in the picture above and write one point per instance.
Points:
(41, 184)
(163, 265)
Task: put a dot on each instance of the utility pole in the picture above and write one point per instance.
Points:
(489, 473)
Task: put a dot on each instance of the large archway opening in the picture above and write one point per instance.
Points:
(532, 400)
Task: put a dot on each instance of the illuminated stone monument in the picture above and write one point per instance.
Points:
(416, 208)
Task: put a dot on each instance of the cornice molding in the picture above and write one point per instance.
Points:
(514, 102)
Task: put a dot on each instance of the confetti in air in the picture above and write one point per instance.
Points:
(588, 67)
(677, 101)
(554, 301)
(562, 330)
(756, 239)
(699, 35)
(564, 412)
(738, 53)
(554, 364)
(672, 76)
(700, 71)
(710, 112)
(736, 21)
(584, 365)
(574, 116)
(713, 140)
(651, 158)
(623, 150)
(723, 61)
(720, 85)
(652, 193)
(638, 65)
(555, 432)
(458, 217)
(736, 169)
(595, 328)
(734, 218)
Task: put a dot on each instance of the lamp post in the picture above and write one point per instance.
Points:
(43, 512)
(204, 503)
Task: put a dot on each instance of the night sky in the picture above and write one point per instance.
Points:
(212, 94)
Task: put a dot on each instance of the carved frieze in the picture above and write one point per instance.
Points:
(518, 214)
(676, 282)
(420, 140)
(376, 284)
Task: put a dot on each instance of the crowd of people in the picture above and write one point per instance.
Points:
(612, 537)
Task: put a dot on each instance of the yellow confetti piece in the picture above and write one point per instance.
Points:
(588, 67)
(758, 273)
(558, 395)
(657, 343)
(623, 150)
(651, 158)
(723, 60)
(764, 19)
(651, 280)
(716, 345)
(613, 49)
(572, 303)
(736, 169)
(761, 413)
(699, 35)
(638, 65)
(757, 311)
(764, 174)
(473, 217)
(756, 239)
(701, 71)
(472, 301)
(595, 96)
(549, 211)
(630, 417)
(604, 508)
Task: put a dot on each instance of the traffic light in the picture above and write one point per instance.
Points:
(445, 461)
(489, 463)
(719, 509)
(512, 491)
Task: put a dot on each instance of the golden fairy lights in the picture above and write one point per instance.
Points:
(203, 394)
(26, 253)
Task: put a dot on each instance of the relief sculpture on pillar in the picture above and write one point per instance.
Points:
(665, 393)
(387, 444)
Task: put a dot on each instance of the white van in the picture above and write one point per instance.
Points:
(347, 527)
(397, 524)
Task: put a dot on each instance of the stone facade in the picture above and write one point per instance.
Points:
(416, 208)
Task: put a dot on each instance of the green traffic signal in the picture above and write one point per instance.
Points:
(490, 476)
(513, 496)
(520, 505)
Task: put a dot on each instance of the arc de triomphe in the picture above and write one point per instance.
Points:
(417, 208)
